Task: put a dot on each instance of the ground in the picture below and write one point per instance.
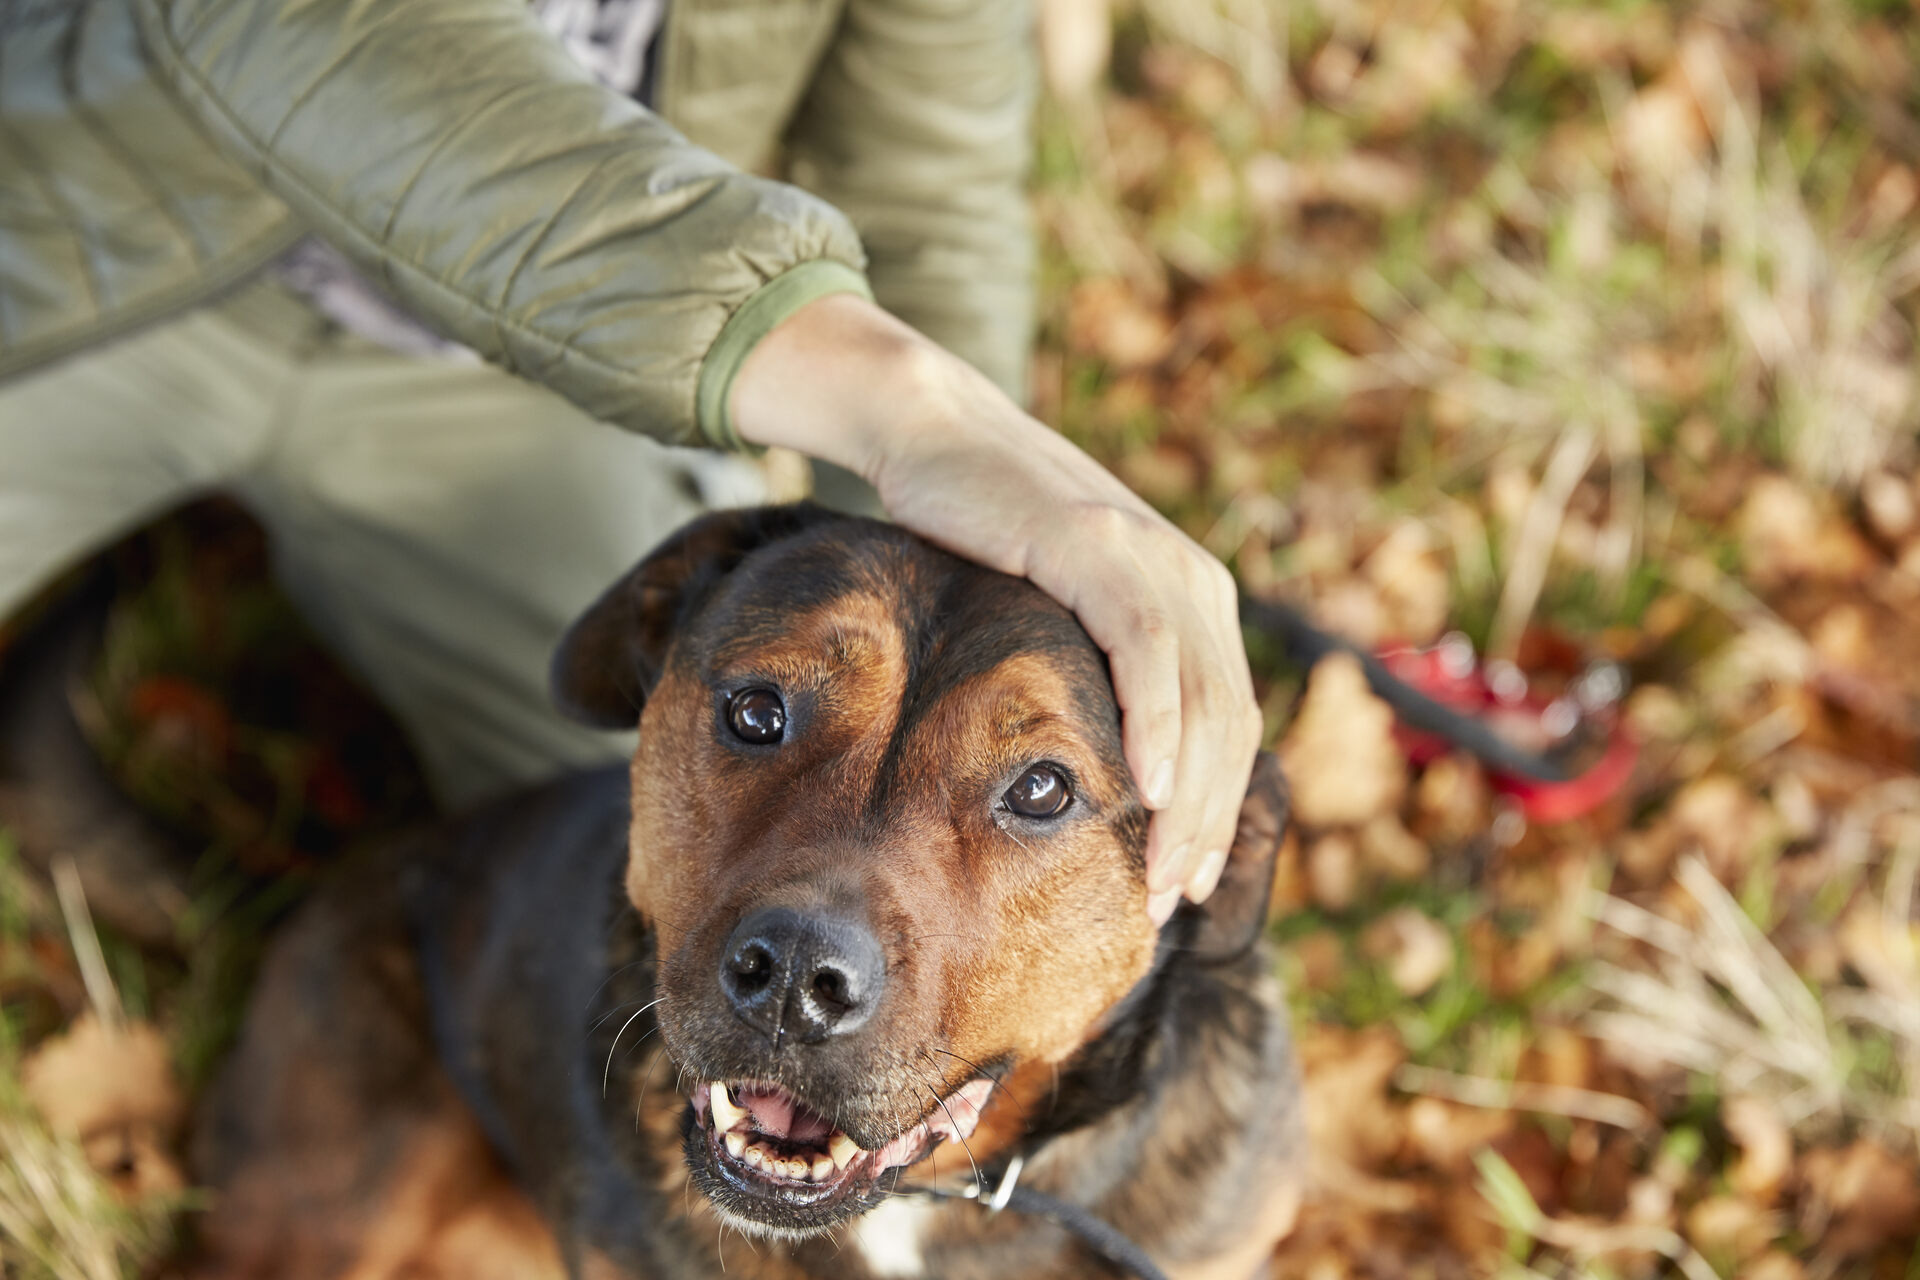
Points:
(1585, 330)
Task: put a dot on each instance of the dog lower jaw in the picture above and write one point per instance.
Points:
(774, 1168)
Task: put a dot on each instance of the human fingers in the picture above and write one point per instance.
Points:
(1189, 839)
(1120, 573)
(1167, 615)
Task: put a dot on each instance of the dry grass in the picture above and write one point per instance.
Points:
(58, 1218)
(1581, 327)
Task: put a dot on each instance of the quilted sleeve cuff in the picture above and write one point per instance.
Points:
(758, 316)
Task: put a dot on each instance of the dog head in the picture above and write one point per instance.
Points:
(886, 837)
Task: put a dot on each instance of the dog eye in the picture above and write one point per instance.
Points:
(1040, 792)
(757, 715)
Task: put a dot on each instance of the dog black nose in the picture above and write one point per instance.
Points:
(802, 976)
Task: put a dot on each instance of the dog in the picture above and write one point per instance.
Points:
(859, 935)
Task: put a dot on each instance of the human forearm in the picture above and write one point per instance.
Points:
(456, 152)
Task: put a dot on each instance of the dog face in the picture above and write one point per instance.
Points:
(884, 832)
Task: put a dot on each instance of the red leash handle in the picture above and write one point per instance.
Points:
(1497, 694)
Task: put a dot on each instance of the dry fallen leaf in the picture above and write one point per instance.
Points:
(1773, 1265)
(1340, 752)
(1662, 132)
(1416, 950)
(1870, 1196)
(1889, 962)
(1333, 871)
(1723, 818)
(1446, 1134)
(1389, 850)
(113, 1091)
(1730, 1227)
(1784, 535)
(1889, 505)
(1560, 1057)
(1319, 958)
(1453, 801)
(1412, 583)
(1351, 607)
(1766, 1146)
(1350, 1120)
(1108, 319)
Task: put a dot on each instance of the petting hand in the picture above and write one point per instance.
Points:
(957, 462)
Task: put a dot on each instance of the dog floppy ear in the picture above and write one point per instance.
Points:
(1233, 916)
(612, 656)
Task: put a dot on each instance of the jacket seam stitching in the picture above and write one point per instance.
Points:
(74, 338)
(321, 79)
(201, 21)
(110, 141)
(553, 219)
(433, 153)
(89, 269)
(556, 350)
(188, 71)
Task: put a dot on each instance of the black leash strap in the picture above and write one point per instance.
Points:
(1306, 644)
(1096, 1233)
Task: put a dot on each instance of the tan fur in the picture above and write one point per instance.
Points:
(1004, 944)
(1004, 959)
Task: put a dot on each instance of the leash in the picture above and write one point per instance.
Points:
(1441, 694)
(1094, 1232)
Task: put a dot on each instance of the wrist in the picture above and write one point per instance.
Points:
(843, 381)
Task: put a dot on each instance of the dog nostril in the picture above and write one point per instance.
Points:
(752, 968)
(831, 988)
(802, 978)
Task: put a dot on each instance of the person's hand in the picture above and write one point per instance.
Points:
(957, 462)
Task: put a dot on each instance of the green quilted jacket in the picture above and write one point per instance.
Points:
(153, 152)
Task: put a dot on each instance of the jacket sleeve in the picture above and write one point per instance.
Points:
(918, 127)
(456, 152)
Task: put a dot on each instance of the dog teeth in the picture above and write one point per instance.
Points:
(842, 1150)
(797, 1168)
(725, 1114)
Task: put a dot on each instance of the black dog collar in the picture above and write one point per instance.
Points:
(1093, 1231)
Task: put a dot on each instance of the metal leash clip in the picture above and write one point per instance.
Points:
(1004, 1192)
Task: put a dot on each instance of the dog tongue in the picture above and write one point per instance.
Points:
(777, 1115)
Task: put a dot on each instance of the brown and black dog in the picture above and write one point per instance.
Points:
(865, 917)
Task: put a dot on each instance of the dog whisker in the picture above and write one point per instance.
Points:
(645, 1084)
(611, 1014)
(607, 1074)
(979, 1070)
(942, 1104)
(637, 1046)
(608, 980)
(1008, 832)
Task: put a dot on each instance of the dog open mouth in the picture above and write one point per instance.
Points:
(778, 1164)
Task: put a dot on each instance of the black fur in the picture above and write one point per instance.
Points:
(534, 966)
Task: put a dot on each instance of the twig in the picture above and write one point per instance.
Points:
(86, 944)
(1533, 541)
(1521, 1095)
